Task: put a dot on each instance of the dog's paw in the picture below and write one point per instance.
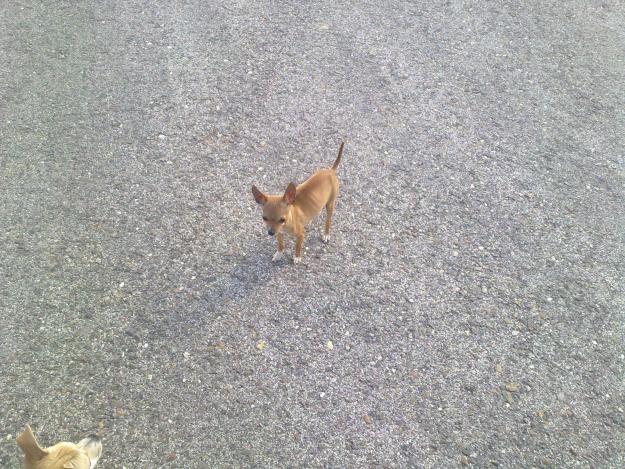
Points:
(326, 238)
(297, 260)
(277, 256)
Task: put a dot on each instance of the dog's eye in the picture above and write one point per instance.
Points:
(282, 220)
(264, 218)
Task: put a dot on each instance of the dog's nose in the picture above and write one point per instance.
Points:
(271, 232)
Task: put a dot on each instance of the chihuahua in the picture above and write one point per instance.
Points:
(300, 204)
(83, 455)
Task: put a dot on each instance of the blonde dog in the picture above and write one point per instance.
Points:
(83, 455)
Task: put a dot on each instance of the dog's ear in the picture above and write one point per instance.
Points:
(259, 197)
(93, 447)
(28, 444)
(289, 194)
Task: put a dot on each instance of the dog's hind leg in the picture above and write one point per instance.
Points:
(329, 212)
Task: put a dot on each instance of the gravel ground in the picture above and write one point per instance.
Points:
(468, 310)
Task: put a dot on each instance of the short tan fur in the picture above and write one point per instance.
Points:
(293, 210)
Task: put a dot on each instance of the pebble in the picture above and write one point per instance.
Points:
(330, 345)
(512, 387)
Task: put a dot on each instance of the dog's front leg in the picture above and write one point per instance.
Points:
(278, 255)
(299, 242)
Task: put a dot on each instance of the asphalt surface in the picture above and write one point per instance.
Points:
(469, 309)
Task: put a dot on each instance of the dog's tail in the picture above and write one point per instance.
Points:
(338, 158)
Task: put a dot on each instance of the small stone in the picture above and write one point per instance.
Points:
(330, 345)
(261, 344)
(149, 377)
(499, 368)
(509, 398)
(170, 457)
(512, 387)
(561, 396)
(186, 355)
(464, 460)
(9, 436)
(368, 420)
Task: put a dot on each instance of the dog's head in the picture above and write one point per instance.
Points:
(275, 207)
(83, 455)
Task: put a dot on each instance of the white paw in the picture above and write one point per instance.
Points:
(277, 256)
(297, 260)
(326, 238)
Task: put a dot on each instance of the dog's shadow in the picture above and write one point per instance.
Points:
(248, 273)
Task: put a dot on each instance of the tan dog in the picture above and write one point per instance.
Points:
(293, 210)
(84, 455)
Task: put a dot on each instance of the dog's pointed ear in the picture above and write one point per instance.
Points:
(259, 197)
(289, 194)
(28, 444)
